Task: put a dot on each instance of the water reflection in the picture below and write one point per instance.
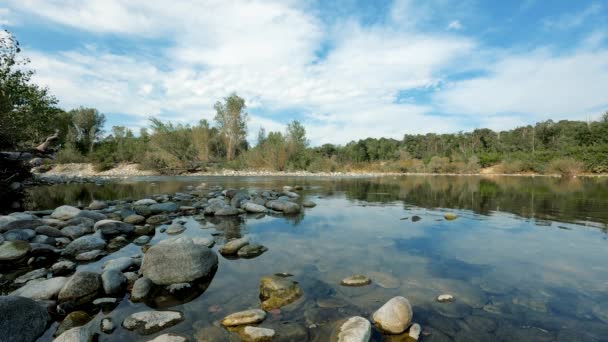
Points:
(524, 259)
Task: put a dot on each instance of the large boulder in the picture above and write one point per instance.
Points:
(149, 322)
(395, 316)
(286, 207)
(82, 288)
(112, 227)
(65, 212)
(85, 244)
(21, 319)
(41, 289)
(277, 291)
(178, 261)
(13, 250)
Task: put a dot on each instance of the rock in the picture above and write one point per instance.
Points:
(73, 320)
(113, 281)
(356, 280)
(85, 244)
(277, 291)
(291, 194)
(416, 218)
(145, 201)
(21, 319)
(286, 207)
(355, 329)
(65, 212)
(41, 289)
(13, 250)
(49, 231)
(157, 219)
(63, 267)
(81, 288)
(450, 216)
(178, 288)
(257, 334)
(117, 243)
(203, 241)
(141, 289)
(98, 205)
(134, 219)
(91, 255)
(92, 215)
(251, 251)
(167, 207)
(414, 331)
(170, 337)
(19, 221)
(227, 211)
(149, 322)
(178, 261)
(142, 240)
(144, 230)
(445, 298)
(35, 274)
(254, 208)
(175, 228)
(107, 326)
(394, 316)
(112, 227)
(120, 264)
(252, 316)
(74, 232)
(19, 235)
(142, 210)
(44, 240)
(232, 247)
(309, 204)
(78, 334)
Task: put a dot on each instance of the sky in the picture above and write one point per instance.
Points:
(347, 69)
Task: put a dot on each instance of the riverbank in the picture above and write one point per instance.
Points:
(86, 170)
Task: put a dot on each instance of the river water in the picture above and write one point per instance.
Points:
(526, 259)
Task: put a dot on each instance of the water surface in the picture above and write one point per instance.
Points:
(525, 259)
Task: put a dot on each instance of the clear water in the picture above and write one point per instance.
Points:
(526, 259)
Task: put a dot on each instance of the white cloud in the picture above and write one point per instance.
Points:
(540, 84)
(454, 25)
(5, 14)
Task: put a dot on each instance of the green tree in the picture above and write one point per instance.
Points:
(231, 120)
(87, 127)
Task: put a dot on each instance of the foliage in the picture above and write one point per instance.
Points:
(566, 167)
(231, 120)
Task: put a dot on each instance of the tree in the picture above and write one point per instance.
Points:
(231, 120)
(87, 127)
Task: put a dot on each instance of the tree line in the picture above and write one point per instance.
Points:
(29, 112)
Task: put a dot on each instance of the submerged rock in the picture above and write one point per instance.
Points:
(21, 319)
(232, 247)
(277, 291)
(252, 316)
(356, 280)
(149, 322)
(394, 316)
(445, 298)
(251, 251)
(257, 334)
(178, 261)
(355, 329)
(309, 204)
(450, 216)
(72, 320)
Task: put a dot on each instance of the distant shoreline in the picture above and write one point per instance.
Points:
(85, 170)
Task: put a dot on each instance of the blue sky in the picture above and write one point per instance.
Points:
(346, 69)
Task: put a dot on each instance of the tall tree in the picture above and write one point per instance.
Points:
(87, 125)
(231, 120)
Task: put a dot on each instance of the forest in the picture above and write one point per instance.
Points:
(29, 113)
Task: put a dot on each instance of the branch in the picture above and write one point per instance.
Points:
(45, 145)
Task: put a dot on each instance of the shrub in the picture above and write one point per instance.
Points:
(510, 166)
(566, 167)
(70, 154)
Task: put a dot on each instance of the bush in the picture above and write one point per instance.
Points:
(70, 154)
(510, 167)
(566, 167)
